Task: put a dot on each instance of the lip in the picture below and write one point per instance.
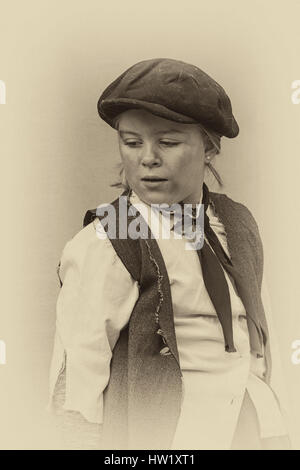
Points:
(154, 179)
(154, 183)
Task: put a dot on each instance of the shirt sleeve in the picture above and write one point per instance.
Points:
(278, 379)
(95, 302)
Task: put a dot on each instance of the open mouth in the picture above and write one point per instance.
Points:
(153, 179)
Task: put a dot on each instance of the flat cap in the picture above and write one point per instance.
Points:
(171, 89)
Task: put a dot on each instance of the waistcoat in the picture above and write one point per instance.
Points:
(143, 398)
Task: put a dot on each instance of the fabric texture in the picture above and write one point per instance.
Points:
(207, 260)
(213, 380)
(247, 434)
(171, 89)
(214, 279)
(121, 372)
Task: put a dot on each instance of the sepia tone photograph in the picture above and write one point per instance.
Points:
(150, 241)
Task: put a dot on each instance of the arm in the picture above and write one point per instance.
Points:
(278, 379)
(73, 431)
(95, 302)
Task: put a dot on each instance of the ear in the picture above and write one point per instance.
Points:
(209, 147)
(210, 154)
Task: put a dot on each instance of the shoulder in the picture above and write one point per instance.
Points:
(234, 212)
(239, 219)
(87, 245)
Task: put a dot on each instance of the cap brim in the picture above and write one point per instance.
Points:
(110, 109)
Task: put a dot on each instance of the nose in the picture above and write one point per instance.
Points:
(150, 156)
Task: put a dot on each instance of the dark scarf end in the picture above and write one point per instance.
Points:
(230, 348)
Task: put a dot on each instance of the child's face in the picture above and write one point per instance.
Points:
(163, 160)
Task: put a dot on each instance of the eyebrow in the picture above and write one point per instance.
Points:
(128, 132)
(168, 131)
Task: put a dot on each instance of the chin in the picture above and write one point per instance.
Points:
(161, 200)
(153, 197)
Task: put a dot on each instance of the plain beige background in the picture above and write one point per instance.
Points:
(58, 157)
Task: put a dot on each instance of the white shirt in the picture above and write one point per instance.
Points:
(91, 311)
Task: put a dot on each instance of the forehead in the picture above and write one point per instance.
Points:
(140, 120)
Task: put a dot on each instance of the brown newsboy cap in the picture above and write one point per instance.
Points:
(173, 90)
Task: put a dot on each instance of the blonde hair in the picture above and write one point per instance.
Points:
(212, 145)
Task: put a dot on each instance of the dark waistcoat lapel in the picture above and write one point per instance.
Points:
(246, 251)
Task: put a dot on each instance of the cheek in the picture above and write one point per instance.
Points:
(128, 158)
(189, 164)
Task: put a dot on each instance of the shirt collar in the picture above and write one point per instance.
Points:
(134, 199)
(161, 218)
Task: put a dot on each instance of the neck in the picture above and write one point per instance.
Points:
(195, 198)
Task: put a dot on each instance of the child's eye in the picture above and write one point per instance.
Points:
(169, 143)
(132, 143)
